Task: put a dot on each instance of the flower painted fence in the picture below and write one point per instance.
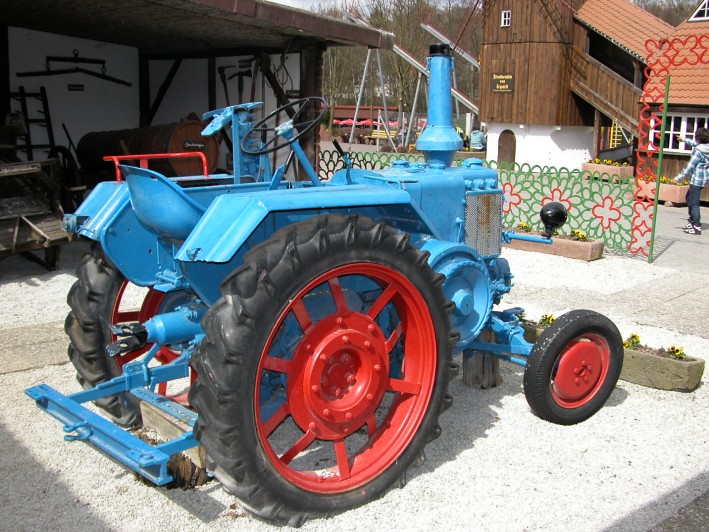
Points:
(600, 206)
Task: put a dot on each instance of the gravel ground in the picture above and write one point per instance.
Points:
(495, 467)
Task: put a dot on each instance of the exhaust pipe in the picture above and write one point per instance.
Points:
(439, 140)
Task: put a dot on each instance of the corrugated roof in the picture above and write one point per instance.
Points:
(623, 23)
(689, 84)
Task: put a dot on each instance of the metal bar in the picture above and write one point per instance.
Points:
(500, 348)
(164, 86)
(414, 108)
(147, 156)
(83, 425)
(663, 129)
(438, 35)
(361, 92)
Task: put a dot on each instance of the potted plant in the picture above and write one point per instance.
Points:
(597, 167)
(575, 245)
(663, 369)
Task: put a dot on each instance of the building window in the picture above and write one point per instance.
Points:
(506, 19)
(681, 126)
(702, 13)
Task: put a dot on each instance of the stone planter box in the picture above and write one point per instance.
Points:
(662, 373)
(649, 369)
(608, 169)
(574, 249)
(677, 194)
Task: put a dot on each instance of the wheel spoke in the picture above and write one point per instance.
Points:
(301, 314)
(382, 301)
(299, 447)
(338, 295)
(277, 364)
(343, 461)
(276, 419)
(403, 386)
(128, 315)
(371, 425)
(394, 338)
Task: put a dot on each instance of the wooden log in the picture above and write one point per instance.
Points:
(481, 369)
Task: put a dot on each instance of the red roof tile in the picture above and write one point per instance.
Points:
(623, 23)
(689, 83)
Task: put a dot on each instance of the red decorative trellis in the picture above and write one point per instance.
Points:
(661, 57)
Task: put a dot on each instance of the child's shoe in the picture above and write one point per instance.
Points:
(694, 230)
(688, 225)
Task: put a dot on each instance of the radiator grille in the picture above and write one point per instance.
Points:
(483, 221)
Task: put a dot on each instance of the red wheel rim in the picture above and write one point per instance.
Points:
(580, 370)
(150, 307)
(341, 404)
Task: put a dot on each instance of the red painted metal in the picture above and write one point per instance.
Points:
(580, 371)
(144, 158)
(338, 382)
(149, 308)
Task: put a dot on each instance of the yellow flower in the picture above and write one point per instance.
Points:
(547, 319)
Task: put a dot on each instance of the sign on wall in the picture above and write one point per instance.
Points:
(502, 82)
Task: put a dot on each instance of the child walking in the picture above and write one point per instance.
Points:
(697, 170)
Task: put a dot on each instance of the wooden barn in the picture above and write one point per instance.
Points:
(561, 80)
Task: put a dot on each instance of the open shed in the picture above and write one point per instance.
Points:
(71, 68)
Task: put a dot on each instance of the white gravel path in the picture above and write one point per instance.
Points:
(495, 467)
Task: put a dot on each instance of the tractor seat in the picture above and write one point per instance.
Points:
(160, 204)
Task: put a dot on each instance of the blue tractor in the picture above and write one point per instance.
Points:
(314, 323)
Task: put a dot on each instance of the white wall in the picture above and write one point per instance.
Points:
(567, 147)
(102, 105)
(107, 106)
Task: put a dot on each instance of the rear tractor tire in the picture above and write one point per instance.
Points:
(324, 368)
(95, 301)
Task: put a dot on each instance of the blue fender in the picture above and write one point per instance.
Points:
(107, 217)
(232, 218)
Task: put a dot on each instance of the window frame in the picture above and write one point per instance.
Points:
(701, 14)
(683, 125)
(506, 18)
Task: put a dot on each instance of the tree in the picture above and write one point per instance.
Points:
(671, 11)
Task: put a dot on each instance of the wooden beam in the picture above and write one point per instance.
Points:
(164, 86)
(144, 90)
(4, 73)
(211, 83)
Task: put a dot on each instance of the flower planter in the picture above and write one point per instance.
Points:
(587, 250)
(608, 169)
(662, 372)
(676, 195)
(649, 369)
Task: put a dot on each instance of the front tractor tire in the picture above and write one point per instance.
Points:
(324, 368)
(574, 367)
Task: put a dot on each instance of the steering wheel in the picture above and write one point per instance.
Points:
(258, 135)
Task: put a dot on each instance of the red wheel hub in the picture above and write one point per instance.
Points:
(580, 370)
(340, 374)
